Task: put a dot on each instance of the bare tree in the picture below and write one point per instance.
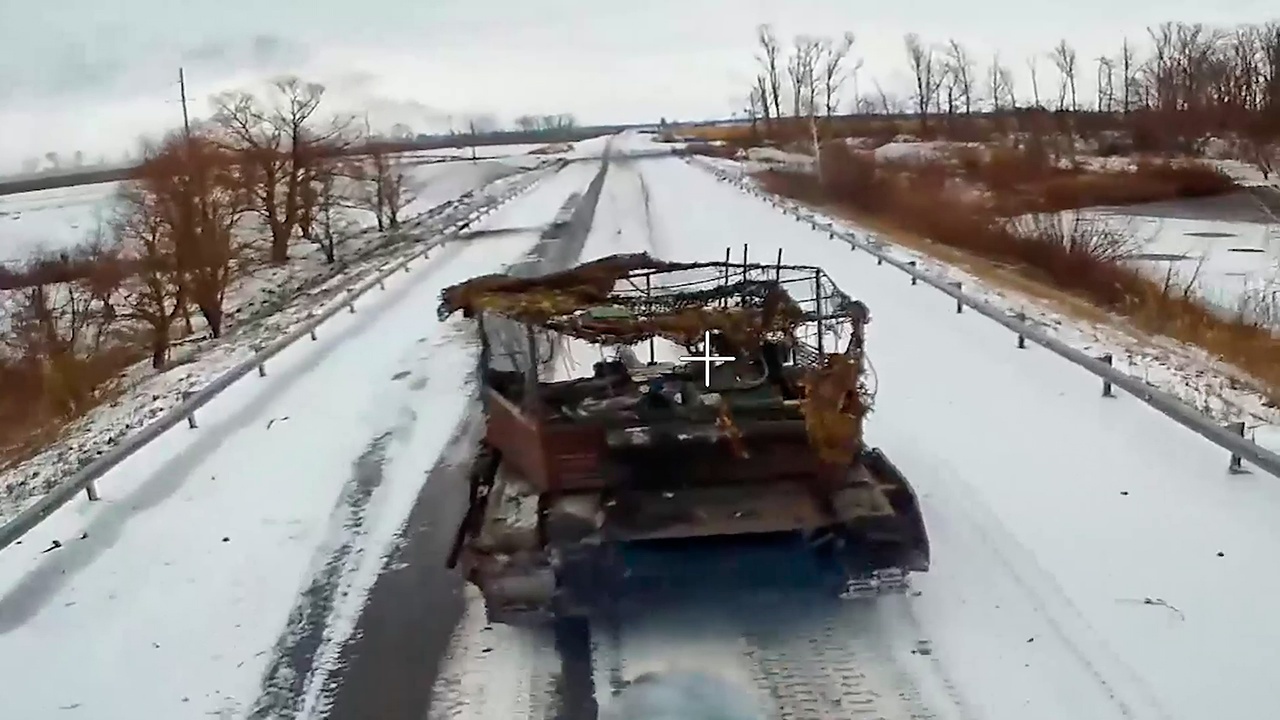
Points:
(1035, 82)
(833, 58)
(53, 325)
(195, 187)
(770, 59)
(756, 108)
(390, 185)
(928, 76)
(277, 145)
(999, 85)
(802, 71)
(1064, 59)
(1128, 77)
(151, 296)
(484, 123)
(327, 222)
(760, 93)
(1106, 83)
(960, 70)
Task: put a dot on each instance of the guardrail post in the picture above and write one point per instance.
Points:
(914, 280)
(91, 491)
(1022, 339)
(191, 417)
(351, 302)
(959, 299)
(1236, 464)
(262, 365)
(1106, 384)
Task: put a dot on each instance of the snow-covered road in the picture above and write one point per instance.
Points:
(1054, 513)
(271, 520)
(1091, 558)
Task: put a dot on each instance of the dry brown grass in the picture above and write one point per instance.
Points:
(1073, 259)
(1022, 181)
(41, 399)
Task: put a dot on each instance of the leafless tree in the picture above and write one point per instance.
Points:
(389, 189)
(484, 123)
(1064, 59)
(928, 76)
(770, 59)
(152, 295)
(196, 189)
(960, 69)
(833, 58)
(327, 221)
(886, 103)
(277, 144)
(57, 326)
(760, 94)
(802, 72)
(1000, 85)
(1106, 83)
(1035, 82)
(1128, 77)
(757, 109)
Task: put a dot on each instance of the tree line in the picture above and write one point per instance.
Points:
(209, 204)
(1198, 80)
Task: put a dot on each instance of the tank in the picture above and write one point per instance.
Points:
(641, 413)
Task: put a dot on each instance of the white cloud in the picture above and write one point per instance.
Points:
(80, 74)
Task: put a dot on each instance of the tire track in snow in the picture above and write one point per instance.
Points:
(297, 652)
(1050, 601)
(480, 655)
(418, 644)
(804, 658)
(296, 677)
(1093, 669)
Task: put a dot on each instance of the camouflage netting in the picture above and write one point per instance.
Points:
(627, 299)
(584, 303)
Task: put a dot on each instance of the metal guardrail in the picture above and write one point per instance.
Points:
(1230, 438)
(85, 479)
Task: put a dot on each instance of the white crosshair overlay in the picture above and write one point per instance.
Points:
(707, 357)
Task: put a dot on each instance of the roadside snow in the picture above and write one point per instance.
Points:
(1203, 382)
(280, 299)
(169, 592)
(1081, 544)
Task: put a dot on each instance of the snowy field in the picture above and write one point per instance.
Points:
(171, 592)
(51, 219)
(481, 151)
(1232, 265)
(1092, 559)
(61, 218)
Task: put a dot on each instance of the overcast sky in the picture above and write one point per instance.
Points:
(93, 75)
